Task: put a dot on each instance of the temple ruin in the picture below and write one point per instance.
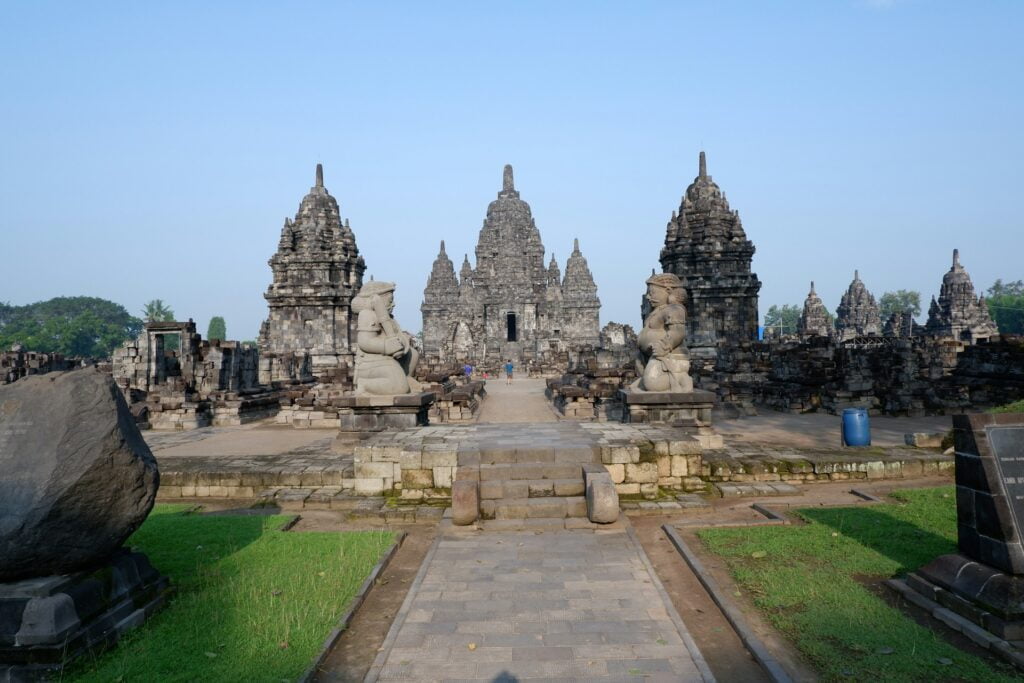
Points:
(510, 305)
(317, 271)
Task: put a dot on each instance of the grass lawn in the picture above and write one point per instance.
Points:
(809, 581)
(1016, 407)
(252, 603)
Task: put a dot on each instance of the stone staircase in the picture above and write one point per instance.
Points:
(532, 485)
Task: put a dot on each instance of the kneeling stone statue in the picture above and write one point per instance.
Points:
(663, 363)
(385, 355)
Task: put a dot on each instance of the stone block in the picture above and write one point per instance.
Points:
(367, 470)
(602, 500)
(664, 465)
(440, 458)
(642, 473)
(679, 466)
(369, 487)
(490, 490)
(627, 489)
(417, 479)
(617, 473)
(465, 502)
(443, 477)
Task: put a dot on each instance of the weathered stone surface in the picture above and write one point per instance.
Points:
(663, 362)
(465, 502)
(77, 477)
(510, 305)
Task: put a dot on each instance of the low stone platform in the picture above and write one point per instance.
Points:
(641, 459)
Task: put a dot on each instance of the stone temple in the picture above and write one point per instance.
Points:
(958, 313)
(317, 271)
(706, 247)
(510, 305)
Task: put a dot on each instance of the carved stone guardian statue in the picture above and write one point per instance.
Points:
(663, 363)
(385, 355)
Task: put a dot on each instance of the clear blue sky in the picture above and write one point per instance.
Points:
(152, 150)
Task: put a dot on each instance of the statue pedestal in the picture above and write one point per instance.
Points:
(686, 410)
(49, 621)
(362, 415)
(664, 407)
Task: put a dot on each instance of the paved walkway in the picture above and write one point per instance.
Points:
(521, 401)
(561, 605)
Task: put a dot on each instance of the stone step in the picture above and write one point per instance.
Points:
(533, 470)
(554, 507)
(540, 454)
(755, 489)
(496, 489)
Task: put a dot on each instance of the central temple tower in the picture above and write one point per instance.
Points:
(510, 305)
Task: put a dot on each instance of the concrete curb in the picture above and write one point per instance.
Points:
(396, 625)
(684, 633)
(357, 602)
(732, 613)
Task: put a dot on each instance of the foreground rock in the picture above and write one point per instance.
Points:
(76, 478)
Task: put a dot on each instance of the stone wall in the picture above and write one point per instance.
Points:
(18, 363)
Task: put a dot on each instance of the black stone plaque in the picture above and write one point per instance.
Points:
(1007, 445)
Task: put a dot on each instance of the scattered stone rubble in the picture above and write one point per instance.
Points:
(18, 363)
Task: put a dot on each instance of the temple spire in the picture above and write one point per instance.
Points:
(576, 245)
(812, 287)
(856, 275)
(507, 182)
(703, 170)
(319, 175)
(956, 259)
(442, 246)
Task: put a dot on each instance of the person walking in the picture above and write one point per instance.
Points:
(508, 371)
(468, 371)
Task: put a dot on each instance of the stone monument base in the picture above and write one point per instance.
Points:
(665, 407)
(360, 416)
(47, 622)
(979, 593)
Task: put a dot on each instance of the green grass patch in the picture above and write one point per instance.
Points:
(810, 582)
(252, 603)
(1015, 407)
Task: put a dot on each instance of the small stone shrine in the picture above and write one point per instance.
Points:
(78, 480)
(706, 246)
(958, 313)
(984, 582)
(510, 305)
(317, 270)
(663, 391)
(857, 315)
(814, 320)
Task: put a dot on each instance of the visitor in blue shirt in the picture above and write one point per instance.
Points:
(508, 371)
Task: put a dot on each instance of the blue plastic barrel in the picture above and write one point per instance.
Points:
(856, 427)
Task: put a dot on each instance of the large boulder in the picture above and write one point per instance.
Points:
(76, 478)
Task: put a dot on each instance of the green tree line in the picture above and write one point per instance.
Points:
(70, 325)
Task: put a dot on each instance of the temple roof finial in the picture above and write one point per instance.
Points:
(703, 170)
(442, 246)
(856, 275)
(319, 175)
(576, 245)
(956, 258)
(812, 287)
(507, 182)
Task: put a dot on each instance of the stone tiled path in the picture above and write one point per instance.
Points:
(521, 401)
(568, 605)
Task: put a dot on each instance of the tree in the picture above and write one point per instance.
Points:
(1006, 306)
(783, 319)
(157, 311)
(900, 301)
(73, 326)
(217, 329)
